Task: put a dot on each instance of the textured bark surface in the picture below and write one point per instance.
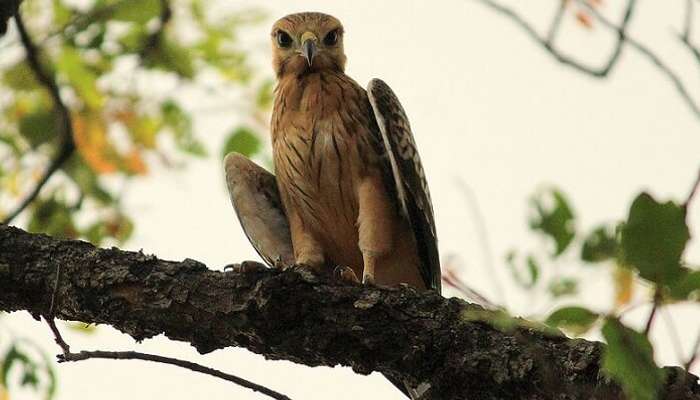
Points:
(418, 337)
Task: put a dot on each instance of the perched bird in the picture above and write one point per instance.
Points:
(348, 172)
(349, 189)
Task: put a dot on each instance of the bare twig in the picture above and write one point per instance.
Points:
(694, 355)
(652, 314)
(622, 39)
(651, 56)
(132, 355)
(693, 191)
(65, 125)
(547, 43)
(483, 237)
(57, 335)
(556, 22)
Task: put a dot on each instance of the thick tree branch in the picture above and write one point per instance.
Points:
(416, 337)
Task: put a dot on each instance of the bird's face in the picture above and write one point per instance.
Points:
(307, 42)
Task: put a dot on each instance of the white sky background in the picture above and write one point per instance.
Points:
(487, 106)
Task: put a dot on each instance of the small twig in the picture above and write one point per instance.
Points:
(556, 22)
(694, 355)
(652, 314)
(66, 126)
(57, 335)
(599, 72)
(693, 191)
(651, 56)
(483, 237)
(132, 355)
(673, 334)
(622, 39)
(688, 24)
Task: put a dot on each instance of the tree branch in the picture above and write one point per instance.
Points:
(622, 39)
(65, 126)
(407, 335)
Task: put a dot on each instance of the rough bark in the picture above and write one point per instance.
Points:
(418, 337)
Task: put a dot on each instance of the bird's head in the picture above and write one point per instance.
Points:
(307, 42)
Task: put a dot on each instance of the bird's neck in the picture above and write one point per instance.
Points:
(312, 92)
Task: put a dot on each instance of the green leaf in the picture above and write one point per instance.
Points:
(563, 287)
(38, 127)
(19, 77)
(654, 238)
(53, 217)
(629, 359)
(83, 80)
(61, 14)
(687, 287)
(139, 11)
(531, 265)
(577, 320)
(556, 220)
(265, 95)
(180, 125)
(242, 140)
(88, 181)
(170, 56)
(600, 245)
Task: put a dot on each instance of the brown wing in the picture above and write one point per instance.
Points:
(401, 157)
(255, 199)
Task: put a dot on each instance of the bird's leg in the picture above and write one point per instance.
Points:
(308, 253)
(375, 225)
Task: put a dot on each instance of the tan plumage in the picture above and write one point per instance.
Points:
(353, 190)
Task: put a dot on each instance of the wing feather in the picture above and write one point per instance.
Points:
(401, 157)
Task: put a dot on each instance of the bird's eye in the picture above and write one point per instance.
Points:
(283, 39)
(331, 38)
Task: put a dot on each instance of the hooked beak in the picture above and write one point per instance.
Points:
(308, 47)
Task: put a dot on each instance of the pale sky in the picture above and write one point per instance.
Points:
(487, 106)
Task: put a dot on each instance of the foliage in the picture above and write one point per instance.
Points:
(98, 54)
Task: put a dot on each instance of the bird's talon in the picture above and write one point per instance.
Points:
(245, 266)
(346, 274)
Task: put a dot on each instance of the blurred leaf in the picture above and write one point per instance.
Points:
(600, 245)
(81, 327)
(531, 265)
(19, 77)
(623, 280)
(265, 95)
(87, 181)
(577, 320)
(181, 127)
(61, 14)
(52, 217)
(242, 140)
(38, 127)
(499, 319)
(142, 128)
(687, 287)
(555, 221)
(90, 134)
(629, 359)
(653, 239)
(168, 55)
(563, 287)
(139, 11)
(80, 77)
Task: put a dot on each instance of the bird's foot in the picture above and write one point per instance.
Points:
(368, 279)
(308, 273)
(346, 274)
(245, 266)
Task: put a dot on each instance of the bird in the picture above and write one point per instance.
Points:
(349, 175)
(349, 190)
